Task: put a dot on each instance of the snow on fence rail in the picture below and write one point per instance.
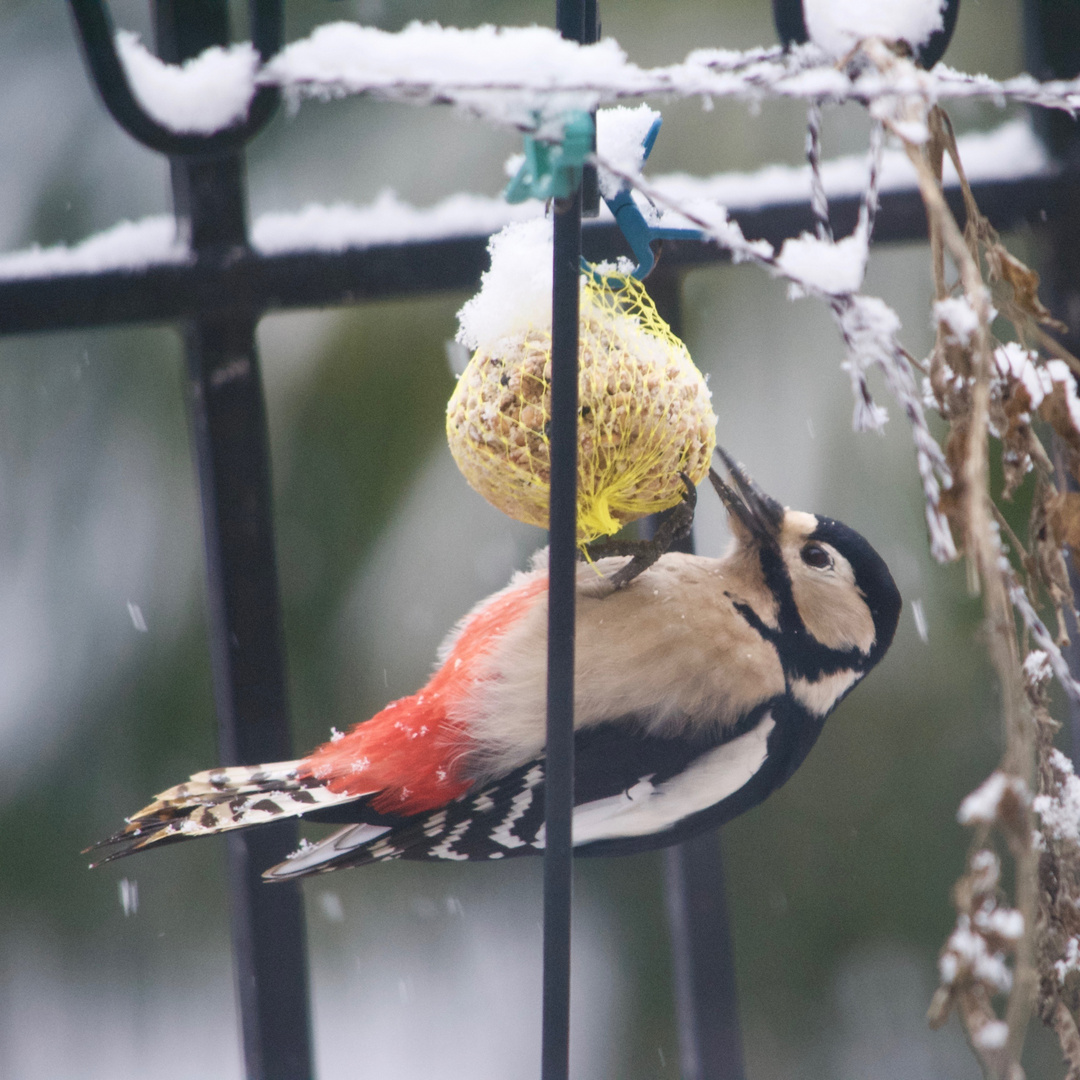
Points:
(1009, 152)
(525, 77)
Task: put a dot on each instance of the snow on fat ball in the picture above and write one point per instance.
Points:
(644, 409)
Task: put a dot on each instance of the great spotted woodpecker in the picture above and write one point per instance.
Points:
(924, 27)
(701, 686)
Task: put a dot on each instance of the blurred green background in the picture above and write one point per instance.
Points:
(838, 885)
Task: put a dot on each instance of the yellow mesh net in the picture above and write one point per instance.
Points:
(644, 415)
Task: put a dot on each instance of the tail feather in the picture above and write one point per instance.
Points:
(220, 800)
(495, 823)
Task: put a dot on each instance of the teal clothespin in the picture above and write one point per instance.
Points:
(632, 224)
(552, 170)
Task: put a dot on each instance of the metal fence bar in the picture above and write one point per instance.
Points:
(228, 424)
(703, 961)
(702, 954)
(96, 38)
(252, 283)
(231, 448)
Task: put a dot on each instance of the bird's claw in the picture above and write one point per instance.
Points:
(672, 528)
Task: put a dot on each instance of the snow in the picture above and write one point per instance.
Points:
(958, 317)
(1009, 152)
(620, 133)
(497, 70)
(517, 75)
(966, 951)
(910, 131)
(1039, 380)
(1006, 923)
(129, 245)
(918, 614)
(981, 806)
(129, 896)
(1058, 372)
(1041, 636)
(870, 328)
(529, 76)
(138, 620)
(515, 294)
(331, 906)
(1037, 669)
(993, 1035)
(1059, 811)
(1070, 963)
(386, 221)
(209, 92)
(837, 26)
(823, 266)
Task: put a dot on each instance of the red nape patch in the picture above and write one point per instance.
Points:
(409, 752)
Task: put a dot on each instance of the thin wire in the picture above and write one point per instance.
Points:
(819, 202)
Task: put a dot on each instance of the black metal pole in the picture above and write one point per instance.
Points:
(702, 954)
(706, 997)
(231, 446)
(562, 577)
(562, 570)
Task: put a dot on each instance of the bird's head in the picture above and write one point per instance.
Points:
(828, 583)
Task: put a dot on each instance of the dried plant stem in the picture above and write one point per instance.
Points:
(988, 574)
(980, 386)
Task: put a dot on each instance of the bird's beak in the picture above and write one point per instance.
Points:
(759, 514)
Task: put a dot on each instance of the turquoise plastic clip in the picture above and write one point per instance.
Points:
(632, 224)
(553, 170)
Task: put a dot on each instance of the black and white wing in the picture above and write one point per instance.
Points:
(634, 792)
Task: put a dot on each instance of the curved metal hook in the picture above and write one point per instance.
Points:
(98, 42)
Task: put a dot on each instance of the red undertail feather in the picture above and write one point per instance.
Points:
(411, 751)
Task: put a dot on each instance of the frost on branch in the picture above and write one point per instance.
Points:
(1057, 840)
(998, 797)
(974, 965)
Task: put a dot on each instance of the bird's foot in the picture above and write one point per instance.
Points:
(672, 528)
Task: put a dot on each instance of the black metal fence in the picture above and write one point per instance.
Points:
(218, 297)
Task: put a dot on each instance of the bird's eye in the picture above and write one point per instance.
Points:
(816, 556)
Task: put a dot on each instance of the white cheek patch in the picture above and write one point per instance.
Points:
(822, 694)
(648, 808)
